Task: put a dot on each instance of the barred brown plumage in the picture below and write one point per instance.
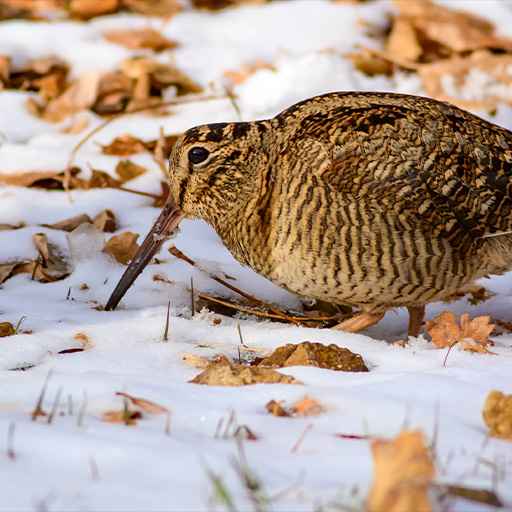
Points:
(375, 200)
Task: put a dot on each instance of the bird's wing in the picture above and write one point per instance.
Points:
(443, 167)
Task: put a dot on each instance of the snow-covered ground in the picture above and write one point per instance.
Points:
(104, 466)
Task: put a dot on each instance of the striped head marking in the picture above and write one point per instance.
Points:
(211, 166)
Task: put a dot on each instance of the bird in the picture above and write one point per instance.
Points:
(374, 200)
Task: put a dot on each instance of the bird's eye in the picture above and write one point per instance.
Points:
(198, 154)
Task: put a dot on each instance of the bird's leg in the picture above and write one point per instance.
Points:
(359, 322)
(416, 316)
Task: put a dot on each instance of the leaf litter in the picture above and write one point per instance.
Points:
(471, 334)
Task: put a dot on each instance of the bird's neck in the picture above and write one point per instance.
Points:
(244, 226)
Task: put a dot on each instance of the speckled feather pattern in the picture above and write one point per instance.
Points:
(370, 199)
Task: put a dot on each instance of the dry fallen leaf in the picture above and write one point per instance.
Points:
(105, 221)
(6, 329)
(306, 353)
(6, 270)
(70, 224)
(497, 414)
(195, 360)
(164, 8)
(86, 9)
(473, 335)
(146, 405)
(143, 38)
(122, 416)
(245, 72)
(403, 471)
(51, 265)
(124, 145)
(80, 95)
(127, 170)
(224, 373)
(276, 409)
(402, 41)
(307, 406)
(122, 247)
(84, 340)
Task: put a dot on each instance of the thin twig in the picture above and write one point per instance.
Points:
(38, 409)
(239, 329)
(264, 314)
(54, 406)
(165, 337)
(138, 192)
(448, 353)
(192, 298)
(251, 298)
(297, 445)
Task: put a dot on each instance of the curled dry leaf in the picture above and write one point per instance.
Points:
(497, 414)
(472, 334)
(105, 221)
(122, 247)
(70, 224)
(143, 404)
(136, 39)
(124, 145)
(403, 471)
(6, 270)
(80, 95)
(51, 265)
(6, 329)
(224, 373)
(307, 353)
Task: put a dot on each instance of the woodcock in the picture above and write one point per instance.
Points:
(374, 200)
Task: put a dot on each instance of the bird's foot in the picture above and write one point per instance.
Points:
(359, 322)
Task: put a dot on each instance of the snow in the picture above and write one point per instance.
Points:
(102, 466)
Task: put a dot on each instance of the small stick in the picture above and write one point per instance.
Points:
(36, 266)
(138, 192)
(54, 406)
(297, 445)
(239, 329)
(448, 353)
(10, 441)
(192, 300)
(166, 328)
(18, 325)
(38, 409)
(257, 302)
(70, 405)
(69, 293)
(218, 428)
(264, 314)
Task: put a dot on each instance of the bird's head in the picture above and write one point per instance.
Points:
(213, 171)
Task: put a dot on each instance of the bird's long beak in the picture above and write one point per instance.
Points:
(166, 223)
